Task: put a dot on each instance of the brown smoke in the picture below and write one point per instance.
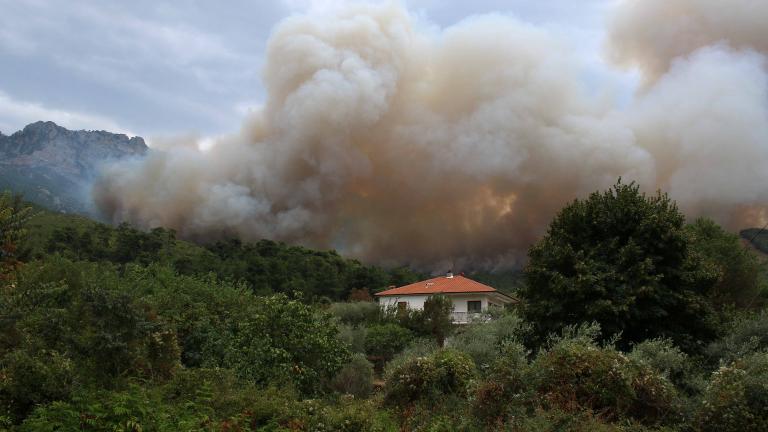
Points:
(652, 34)
(399, 145)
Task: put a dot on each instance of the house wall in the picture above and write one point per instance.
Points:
(417, 301)
(414, 301)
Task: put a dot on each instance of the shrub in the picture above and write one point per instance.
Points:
(354, 337)
(450, 414)
(736, 398)
(133, 409)
(355, 378)
(286, 341)
(484, 341)
(663, 357)
(30, 379)
(507, 392)
(745, 335)
(445, 372)
(386, 340)
(85, 310)
(576, 374)
(356, 313)
(163, 354)
(561, 421)
(419, 347)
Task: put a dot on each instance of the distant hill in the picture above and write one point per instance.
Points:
(53, 166)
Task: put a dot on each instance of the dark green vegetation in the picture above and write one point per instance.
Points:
(632, 320)
(266, 267)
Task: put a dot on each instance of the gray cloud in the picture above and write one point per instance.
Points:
(169, 67)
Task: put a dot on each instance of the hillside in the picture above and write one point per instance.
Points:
(53, 166)
(264, 267)
(112, 328)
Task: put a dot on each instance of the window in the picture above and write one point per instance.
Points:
(402, 306)
(474, 306)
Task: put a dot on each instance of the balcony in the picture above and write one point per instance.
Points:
(469, 317)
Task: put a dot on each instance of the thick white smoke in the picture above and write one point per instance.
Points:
(401, 145)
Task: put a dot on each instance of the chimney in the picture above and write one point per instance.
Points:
(449, 274)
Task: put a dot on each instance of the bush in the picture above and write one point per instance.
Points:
(420, 347)
(450, 414)
(356, 313)
(484, 341)
(86, 311)
(28, 379)
(286, 341)
(663, 357)
(133, 409)
(747, 334)
(576, 374)
(445, 372)
(507, 392)
(355, 378)
(736, 398)
(561, 421)
(354, 337)
(386, 340)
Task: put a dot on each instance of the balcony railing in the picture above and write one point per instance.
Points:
(469, 317)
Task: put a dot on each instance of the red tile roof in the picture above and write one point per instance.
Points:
(442, 284)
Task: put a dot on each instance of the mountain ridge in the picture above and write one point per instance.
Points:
(54, 166)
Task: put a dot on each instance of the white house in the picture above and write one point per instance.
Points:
(470, 299)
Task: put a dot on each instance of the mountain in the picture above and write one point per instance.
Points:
(54, 166)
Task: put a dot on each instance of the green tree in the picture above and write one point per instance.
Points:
(437, 317)
(13, 216)
(286, 340)
(740, 282)
(385, 340)
(622, 259)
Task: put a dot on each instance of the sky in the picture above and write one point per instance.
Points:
(192, 67)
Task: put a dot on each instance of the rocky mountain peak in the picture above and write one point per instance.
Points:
(63, 160)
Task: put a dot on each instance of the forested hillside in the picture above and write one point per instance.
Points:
(265, 267)
(632, 320)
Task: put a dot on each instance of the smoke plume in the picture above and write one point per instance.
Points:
(396, 143)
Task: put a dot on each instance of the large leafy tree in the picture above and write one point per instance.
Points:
(624, 260)
(285, 341)
(741, 281)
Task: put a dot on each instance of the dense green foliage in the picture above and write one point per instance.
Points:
(736, 398)
(13, 216)
(116, 329)
(741, 278)
(383, 341)
(429, 379)
(265, 266)
(624, 260)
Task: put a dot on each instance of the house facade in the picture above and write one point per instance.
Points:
(471, 299)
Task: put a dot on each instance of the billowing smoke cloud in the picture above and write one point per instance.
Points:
(397, 144)
(652, 34)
